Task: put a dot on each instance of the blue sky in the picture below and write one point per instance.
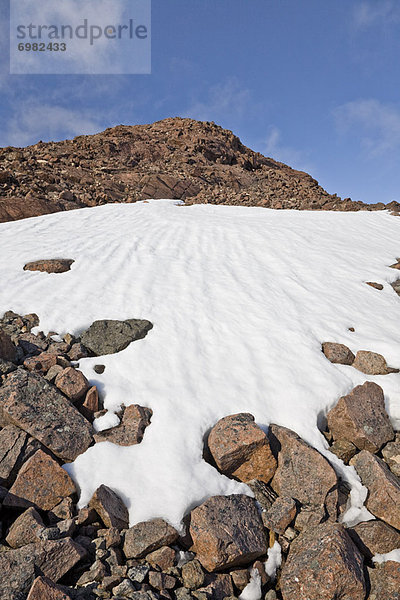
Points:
(313, 83)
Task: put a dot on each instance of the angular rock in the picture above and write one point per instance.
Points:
(35, 406)
(361, 418)
(385, 581)
(31, 344)
(161, 581)
(12, 441)
(41, 362)
(280, 515)
(217, 587)
(374, 537)
(109, 336)
(391, 455)
(125, 589)
(24, 530)
(145, 537)
(63, 510)
(227, 531)
(323, 564)
(77, 351)
(41, 482)
(396, 286)
(304, 474)
(72, 383)
(6, 367)
(344, 450)
(7, 349)
(241, 449)
(372, 363)
(338, 353)
(90, 405)
(192, 575)
(110, 508)
(163, 558)
(383, 498)
(131, 429)
(44, 589)
(53, 265)
(53, 372)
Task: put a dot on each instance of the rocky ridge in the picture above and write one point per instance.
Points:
(193, 161)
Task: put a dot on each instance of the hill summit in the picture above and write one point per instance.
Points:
(194, 161)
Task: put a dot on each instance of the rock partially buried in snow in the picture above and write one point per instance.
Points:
(227, 531)
(323, 564)
(305, 475)
(53, 265)
(41, 482)
(361, 418)
(110, 508)
(338, 353)
(32, 404)
(130, 431)
(147, 536)
(374, 284)
(109, 337)
(372, 363)
(375, 537)
(383, 498)
(241, 449)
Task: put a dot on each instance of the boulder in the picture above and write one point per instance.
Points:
(241, 449)
(372, 363)
(25, 528)
(383, 498)
(53, 265)
(28, 401)
(41, 482)
(338, 353)
(110, 508)
(72, 383)
(391, 455)
(304, 475)
(323, 564)
(227, 531)
(8, 351)
(90, 405)
(12, 441)
(41, 362)
(280, 515)
(361, 418)
(109, 336)
(162, 559)
(161, 581)
(375, 537)
(44, 589)
(192, 574)
(385, 581)
(131, 429)
(217, 587)
(374, 284)
(145, 537)
(344, 450)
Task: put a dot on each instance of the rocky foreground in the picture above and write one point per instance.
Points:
(198, 162)
(287, 542)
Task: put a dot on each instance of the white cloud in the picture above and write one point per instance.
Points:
(33, 122)
(375, 124)
(225, 99)
(275, 149)
(368, 14)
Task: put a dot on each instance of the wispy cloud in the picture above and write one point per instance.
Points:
(225, 99)
(279, 151)
(377, 12)
(375, 124)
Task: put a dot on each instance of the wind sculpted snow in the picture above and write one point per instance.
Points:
(240, 299)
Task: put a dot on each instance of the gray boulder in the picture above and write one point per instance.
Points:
(109, 336)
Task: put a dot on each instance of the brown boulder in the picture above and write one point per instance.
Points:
(304, 475)
(377, 286)
(110, 508)
(375, 537)
(25, 528)
(383, 498)
(130, 431)
(54, 265)
(41, 482)
(241, 449)
(227, 531)
(90, 405)
(44, 589)
(338, 353)
(344, 450)
(12, 442)
(42, 362)
(163, 558)
(280, 515)
(385, 581)
(28, 401)
(391, 455)
(372, 363)
(7, 349)
(145, 537)
(361, 418)
(323, 564)
(217, 587)
(192, 574)
(72, 383)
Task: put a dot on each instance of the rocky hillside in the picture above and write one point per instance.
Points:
(175, 158)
